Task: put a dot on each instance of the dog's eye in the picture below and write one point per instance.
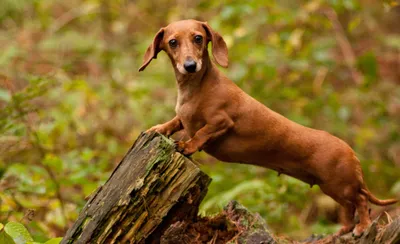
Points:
(173, 43)
(198, 39)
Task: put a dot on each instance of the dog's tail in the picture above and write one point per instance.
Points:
(375, 200)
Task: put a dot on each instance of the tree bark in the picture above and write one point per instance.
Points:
(151, 187)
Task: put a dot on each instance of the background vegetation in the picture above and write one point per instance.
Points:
(72, 101)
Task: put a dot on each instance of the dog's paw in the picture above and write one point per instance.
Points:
(162, 129)
(358, 231)
(179, 145)
(186, 148)
(344, 230)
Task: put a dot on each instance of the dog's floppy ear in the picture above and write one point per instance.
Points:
(219, 48)
(153, 49)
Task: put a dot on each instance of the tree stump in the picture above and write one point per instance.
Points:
(151, 187)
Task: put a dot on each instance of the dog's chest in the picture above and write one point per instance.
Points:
(187, 109)
(190, 117)
(186, 105)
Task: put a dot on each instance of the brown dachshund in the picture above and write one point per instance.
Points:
(224, 121)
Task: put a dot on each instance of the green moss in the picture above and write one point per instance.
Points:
(86, 221)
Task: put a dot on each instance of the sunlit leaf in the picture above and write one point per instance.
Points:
(5, 238)
(5, 95)
(354, 23)
(8, 54)
(392, 41)
(18, 232)
(54, 241)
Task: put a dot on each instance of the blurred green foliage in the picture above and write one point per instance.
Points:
(16, 233)
(72, 101)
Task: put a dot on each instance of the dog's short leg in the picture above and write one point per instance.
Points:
(348, 207)
(347, 218)
(168, 128)
(362, 209)
(219, 126)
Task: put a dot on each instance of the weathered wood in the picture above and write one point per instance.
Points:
(152, 187)
(234, 225)
(391, 233)
(375, 234)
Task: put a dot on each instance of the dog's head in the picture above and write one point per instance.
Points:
(186, 43)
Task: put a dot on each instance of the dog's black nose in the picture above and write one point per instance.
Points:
(190, 66)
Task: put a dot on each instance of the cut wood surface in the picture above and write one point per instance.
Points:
(153, 196)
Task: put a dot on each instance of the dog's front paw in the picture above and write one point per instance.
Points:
(186, 148)
(344, 230)
(162, 129)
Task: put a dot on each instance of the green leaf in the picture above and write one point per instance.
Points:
(8, 54)
(53, 161)
(223, 198)
(5, 95)
(18, 232)
(368, 65)
(396, 188)
(392, 41)
(354, 23)
(54, 241)
(5, 238)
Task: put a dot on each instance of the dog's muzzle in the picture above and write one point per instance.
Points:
(190, 66)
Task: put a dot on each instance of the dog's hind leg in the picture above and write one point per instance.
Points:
(348, 208)
(347, 218)
(362, 210)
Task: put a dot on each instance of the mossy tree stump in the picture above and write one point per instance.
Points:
(151, 187)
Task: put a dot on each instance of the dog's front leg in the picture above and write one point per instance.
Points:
(168, 128)
(218, 126)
